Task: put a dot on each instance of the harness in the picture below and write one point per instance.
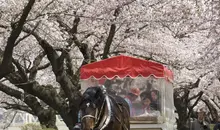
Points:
(121, 108)
(104, 122)
(101, 122)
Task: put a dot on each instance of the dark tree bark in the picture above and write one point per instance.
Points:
(61, 67)
(110, 36)
(213, 111)
(183, 107)
(83, 47)
(47, 117)
(5, 67)
(68, 112)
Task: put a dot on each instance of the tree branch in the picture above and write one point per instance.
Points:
(26, 36)
(57, 67)
(48, 49)
(107, 11)
(73, 38)
(30, 100)
(20, 70)
(36, 63)
(7, 59)
(17, 107)
(11, 120)
(195, 96)
(9, 91)
(148, 58)
(199, 95)
(212, 109)
(216, 104)
(76, 21)
(43, 66)
(3, 26)
(47, 95)
(62, 57)
(186, 95)
(69, 65)
(110, 36)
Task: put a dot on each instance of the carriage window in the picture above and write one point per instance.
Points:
(144, 96)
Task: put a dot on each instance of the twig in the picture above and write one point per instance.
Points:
(19, 40)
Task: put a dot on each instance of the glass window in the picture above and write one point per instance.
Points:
(144, 95)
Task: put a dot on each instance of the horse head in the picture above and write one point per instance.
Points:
(92, 101)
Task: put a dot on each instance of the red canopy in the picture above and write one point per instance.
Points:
(123, 66)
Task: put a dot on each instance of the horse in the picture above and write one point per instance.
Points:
(100, 110)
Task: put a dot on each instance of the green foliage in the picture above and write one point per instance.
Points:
(212, 126)
(32, 126)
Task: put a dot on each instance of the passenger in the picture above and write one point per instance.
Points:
(130, 98)
(155, 99)
(146, 101)
(147, 110)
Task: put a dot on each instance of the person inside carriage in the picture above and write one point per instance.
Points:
(155, 99)
(131, 97)
(146, 101)
(147, 109)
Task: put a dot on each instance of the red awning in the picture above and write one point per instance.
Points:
(123, 66)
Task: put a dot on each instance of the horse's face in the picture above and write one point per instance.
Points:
(88, 115)
(89, 107)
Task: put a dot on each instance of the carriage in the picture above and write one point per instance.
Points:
(150, 84)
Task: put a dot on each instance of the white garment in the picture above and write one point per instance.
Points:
(152, 113)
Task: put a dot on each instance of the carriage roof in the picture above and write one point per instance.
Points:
(124, 66)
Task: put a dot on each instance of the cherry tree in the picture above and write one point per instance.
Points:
(43, 48)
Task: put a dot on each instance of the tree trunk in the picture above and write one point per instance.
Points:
(213, 111)
(47, 118)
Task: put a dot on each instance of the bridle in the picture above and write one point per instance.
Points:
(105, 122)
(91, 116)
